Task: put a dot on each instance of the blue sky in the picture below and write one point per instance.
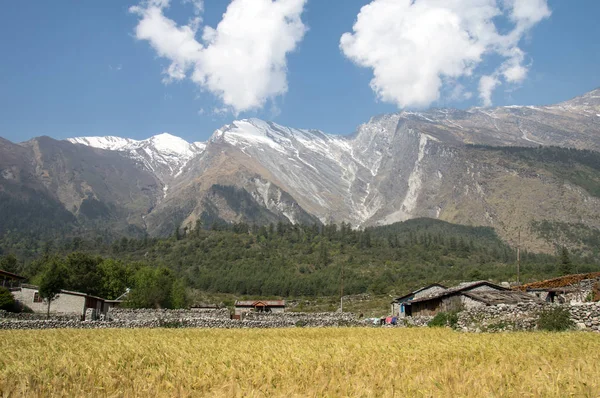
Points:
(75, 68)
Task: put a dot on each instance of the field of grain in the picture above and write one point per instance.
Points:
(297, 363)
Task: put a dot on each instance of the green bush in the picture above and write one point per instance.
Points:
(555, 319)
(444, 319)
(7, 301)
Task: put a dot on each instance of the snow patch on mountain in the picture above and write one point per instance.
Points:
(164, 154)
(108, 143)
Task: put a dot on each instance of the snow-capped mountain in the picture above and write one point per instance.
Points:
(392, 168)
(165, 154)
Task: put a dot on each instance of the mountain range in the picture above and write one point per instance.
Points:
(528, 169)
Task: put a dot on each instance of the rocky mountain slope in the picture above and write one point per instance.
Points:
(164, 155)
(449, 164)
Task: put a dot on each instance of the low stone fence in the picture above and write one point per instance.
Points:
(129, 318)
(156, 323)
(586, 316)
(25, 316)
(318, 319)
(144, 314)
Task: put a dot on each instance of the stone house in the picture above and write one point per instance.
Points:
(451, 299)
(67, 302)
(272, 306)
(401, 306)
(572, 289)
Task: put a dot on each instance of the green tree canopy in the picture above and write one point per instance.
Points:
(52, 280)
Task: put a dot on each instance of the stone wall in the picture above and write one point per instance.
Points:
(321, 319)
(524, 317)
(25, 316)
(144, 314)
(145, 318)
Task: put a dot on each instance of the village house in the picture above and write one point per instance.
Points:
(571, 289)
(451, 299)
(271, 306)
(401, 306)
(66, 303)
(10, 280)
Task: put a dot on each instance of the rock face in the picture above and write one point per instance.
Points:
(396, 167)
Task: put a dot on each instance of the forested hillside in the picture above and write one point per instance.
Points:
(291, 261)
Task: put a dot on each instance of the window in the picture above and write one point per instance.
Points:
(37, 298)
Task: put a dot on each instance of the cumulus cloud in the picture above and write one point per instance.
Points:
(243, 60)
(415, 47)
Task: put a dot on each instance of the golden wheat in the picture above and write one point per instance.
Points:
(297, 363)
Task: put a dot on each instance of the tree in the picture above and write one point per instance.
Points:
(178, 294)
(116, 278)
(152, 288)
(7, 301)
(84, 275)
(8, 263)
(52, 281)
(565, 266)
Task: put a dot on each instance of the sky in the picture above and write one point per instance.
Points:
(139, 68)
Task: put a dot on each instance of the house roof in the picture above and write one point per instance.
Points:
(417, 291)
(72, 293)
(494, 297)
(563, 281)
(254, 303)
(11, 275)
(465, 286)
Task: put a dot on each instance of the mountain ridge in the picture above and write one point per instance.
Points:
(393, 168)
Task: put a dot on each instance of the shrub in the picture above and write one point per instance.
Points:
(7, 301)
(443, 319)
(556, 319)
(301, 324)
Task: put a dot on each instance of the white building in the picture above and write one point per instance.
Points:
(66, 303)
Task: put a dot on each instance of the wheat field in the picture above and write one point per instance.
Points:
(344, 362)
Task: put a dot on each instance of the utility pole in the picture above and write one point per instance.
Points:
(519, 258)
(342, 289)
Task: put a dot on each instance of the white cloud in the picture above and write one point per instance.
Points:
(415, 47)
(487, 85)
(242, 61)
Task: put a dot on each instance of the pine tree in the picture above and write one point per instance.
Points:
(565, 266)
